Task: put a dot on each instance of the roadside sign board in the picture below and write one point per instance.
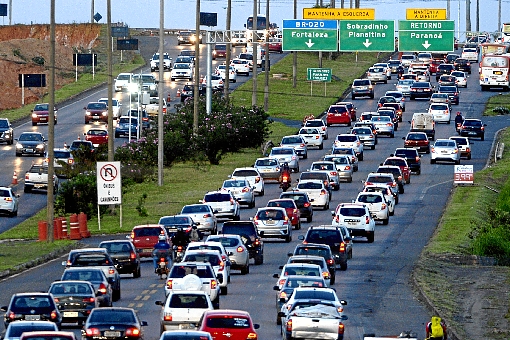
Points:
(339, 13)
(378, 35)
(318, 74)
(109, 184)
(426, 14)
(310, 35)
(430, 36)
(463, 174)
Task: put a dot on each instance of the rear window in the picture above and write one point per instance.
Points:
(301, 282)
(91, 260)
(139, 232)
(310, 185)
(71, 288)
(357, 212)
(281, 152)
(266, 162)
(117, 247)
(62, 154)
(322, 166)
(193, 209)
(315, 294)
(379, 179)
(311, 251)
(239, 229)
(370, 199)
(83, 275)
(269, 214)
(212, 259)
(16, 330)
(225, 241)
(323, 236)
(361, 82)
(217, 197)
(227, 321)
(314, 123)
(304, 271)
(281, 204)
(188, 301)
(199, 270)
(113, 318)
(346, 138)
(27, 303)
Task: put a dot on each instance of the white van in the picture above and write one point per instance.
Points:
(424, 122)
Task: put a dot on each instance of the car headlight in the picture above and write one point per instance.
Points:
(40, 146)
(87, 113)
(19, 146)
(34, 115)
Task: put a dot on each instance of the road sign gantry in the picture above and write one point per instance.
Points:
(310, 35)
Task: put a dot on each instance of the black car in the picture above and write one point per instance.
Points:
(188, 89)
(303, 203)
(31, 143)
(444, 69)
(421, 89)
(113, 323)
(451, 57)
(453, 93)
(32, 307)
(412, 157)
(319, 250)
(6, 131)
(331, 236)
(74, 299)
(462, 64)
(174, 222)
(473, 128)
(250, 236)
(124, 256)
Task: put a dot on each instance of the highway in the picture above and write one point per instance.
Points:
(376, 284)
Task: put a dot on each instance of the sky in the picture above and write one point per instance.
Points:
(180, 14)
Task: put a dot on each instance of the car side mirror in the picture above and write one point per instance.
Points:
(280, 267)
(333, 213)
(276, 276)
(144, 323)
(159, 303)
(403, 138)
(276, 288)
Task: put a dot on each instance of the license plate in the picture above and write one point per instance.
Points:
(70, 314)
(444, 151)
(147, 250)
(95, 117)
(29, 150)
(32, 317)
(112, 334)
(42, 118)
(270, 222)
(471, 133)
(186, 326)
(352, 223)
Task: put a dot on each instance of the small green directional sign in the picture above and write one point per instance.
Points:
(421, 35)
(318, 74)
(310, 35)
(362, 35)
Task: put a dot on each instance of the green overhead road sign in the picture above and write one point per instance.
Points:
(318, 74)
(360, 35)
(310, 35)
(430, 36)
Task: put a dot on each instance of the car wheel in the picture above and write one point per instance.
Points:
(321, 146)
(469, 157)
(116, 294)
(372, 147)
(370, 238)
(326, 206)
(353, 97)
(432, 161)
(305, 156)
(349, 180)
(386, 220)
(259, 259)
(309, 219)
(401, 190)
(223, 290)
(18, 154)
(245, 270)
(234, 81)
(333, 279)
(278, 319)
(428, 151)
(483, 137)
(457, 162)
(138, 272)
(419, 170)
(172, 79)
(34, 124)
(392, 135)
(27, 189)
(216, 303)
(372, 96)
(117, 135)
(392, 212)
(326, 137)
(343, 265)
(288, 238)
(298, 225)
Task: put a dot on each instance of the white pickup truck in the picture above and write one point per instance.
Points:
(318, 321)
(37, 178)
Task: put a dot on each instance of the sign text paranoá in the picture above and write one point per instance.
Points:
(310, 34)
(426, 35)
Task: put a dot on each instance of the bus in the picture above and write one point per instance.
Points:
(494, 48)
(494, 71)
(260, 28)
(505, 33)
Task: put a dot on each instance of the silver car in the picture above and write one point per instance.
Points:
(444, 150)
(343, 165)
(298, 143)
(366, 136)
(269, 168)
(384, 125)
(286, 155)
(399, 96)
(203, 215)
(237, 252)
(253, 176)
(273, 222)
(319, 124)
(242, 190)
(377, 74)
(350, 153)
(9, 201)
(404, 86)
(330, 167)
(349, 140)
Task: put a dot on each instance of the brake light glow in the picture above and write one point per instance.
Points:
(342, 247)
(257, 179)
(132, 255)
(207, 216)
(367, 220)
(283, 295)
(289, 325)
(102, 288)
(281, 282)
(53, 314)
(111, 271)
(169, 284)
(92, 332)
(134, 332)
(330, 261)
(214, 284)
(167, 317)
(337, 218)
(89, 299)
(306, 205)
(341, 328)
(325, 275)
(252, 336)
(323, 192)
(239, 249)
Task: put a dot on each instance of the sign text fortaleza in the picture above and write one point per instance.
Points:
(109, 184)
(339, 13)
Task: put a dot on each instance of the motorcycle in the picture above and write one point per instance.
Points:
(162, 268)
(285, 183)
(178, 253)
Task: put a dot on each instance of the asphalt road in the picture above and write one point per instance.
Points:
(376, 284)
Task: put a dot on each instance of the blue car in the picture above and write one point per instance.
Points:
(122, 128)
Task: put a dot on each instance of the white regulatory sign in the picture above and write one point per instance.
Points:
(109, 184)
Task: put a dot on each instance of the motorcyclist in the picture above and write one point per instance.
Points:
(458, 119)
(436, 329)
(286, 171)
(180, 238)
(400, 71)
(162, 248)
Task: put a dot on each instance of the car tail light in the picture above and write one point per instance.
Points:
(56, 300)
(132, 255)
(432, 149)
(257, 242)
(316, 137)
(8, 199)
(337, 218)
(353, 159)
(333, 173)
(102, 288)
(132, 331)
(214, 284)
(342, 247)
(289, 325)
(169, 284)
(283, 295)
(468, 150)
(368, 183)
(282, 281)
(167, 317)
(389, 124)
(323, 128)
(239, 249)
(323, 192)
(207, 215)
(330, 261)
(417, 159)
(92, 332)
(111, 271)
(367, 220)
(132, 236)
(89, 299)
(222, 266)
(306, 205)
(293, 157)
(325, 275)
(340, 309)
(252, 336)
(341, 328)
(456, 151)
(257, 179)
(246, 189)
(231, 201)
(383, 206)
(53, 315)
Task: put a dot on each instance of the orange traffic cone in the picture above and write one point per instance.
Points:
(178, 93)
(168, 98)
(15, 178)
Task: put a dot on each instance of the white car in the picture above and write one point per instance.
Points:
(116, 106)
(181, 71)
(424, 57)
(253, 176)
(399, 96)
(242, 190)
(386, 191)
(209, 245)
(349, 140)
(238, 254)
(203, 215)
(343, 165)
(318, 193)
(242, 66)
(216, 81)
(407, 59)
(312, 137)
(470, 54)
(122, 81)
(387, 69)
(357, 218)
(441, 112)
(320, 124)
(445, 150)
(232, 75)
(461, 78)
(223, 204)
(153, 107)
(330, 167)
(221, 270)
(376, 204)
(304, 269)
(286, 155)
(183, 310)
(154, 62)
(404, 86)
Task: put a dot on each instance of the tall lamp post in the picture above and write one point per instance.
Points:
(51, 128)
(160, 91)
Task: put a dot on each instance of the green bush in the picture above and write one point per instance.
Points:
(78, 194)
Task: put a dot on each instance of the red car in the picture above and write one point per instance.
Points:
(97, 136)
(417, 140)
(229, 324)
(144, 237)
(351, 107)
(96, 111)
(40, 114)
(275, 45)
(338, 114)
(402, 164)
(292, 210)
(434, 63)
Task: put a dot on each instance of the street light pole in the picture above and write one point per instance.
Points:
(254, 36)
(197, 69)
(50, 210)
(160, 91)
(111, 145)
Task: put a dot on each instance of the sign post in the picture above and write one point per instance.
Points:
(109, 186)
(318, 74)
(365, 36)
(310, 35)
(426, 35)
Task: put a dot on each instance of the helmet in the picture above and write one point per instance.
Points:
(285, 164)
(458, 113)
(162, 238)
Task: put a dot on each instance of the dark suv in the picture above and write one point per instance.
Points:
(31, 307)
(250, 236)
(319, 250)
(412, 157)
(188, 89)
(302, 201)
(124, 256)
(462, 64)
(473, 128)
(453, 93)
(444, 69)
(332, 236)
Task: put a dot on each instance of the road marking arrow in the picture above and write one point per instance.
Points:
(367, 43)
(426, 45)
(309, 43)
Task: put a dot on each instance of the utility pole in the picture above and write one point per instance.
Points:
(160, 90)
(468, 16)
(197, 69)
(111, 145)
(448, 9)
(254, 37)
(50, 207)
(91, 11)
(478, 15)
(266, 62)
(228, 56)
(294, 54)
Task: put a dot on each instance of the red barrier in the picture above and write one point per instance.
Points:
(63, 230)
(82, 220)
(74, 227)
(43, 230)
(57, 228)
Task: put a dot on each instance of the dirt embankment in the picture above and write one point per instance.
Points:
(25, 49)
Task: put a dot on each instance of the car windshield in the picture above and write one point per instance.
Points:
(314, 123)
(124, 77)
(96, 106)
(107, 316)
(182, 66)
(41, 107)
(33, 137)
(4, 123)
(125, 120)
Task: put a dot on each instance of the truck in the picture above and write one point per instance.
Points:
(424, 122)
(37, 178)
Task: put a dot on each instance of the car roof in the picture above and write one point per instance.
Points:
(226, 312)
